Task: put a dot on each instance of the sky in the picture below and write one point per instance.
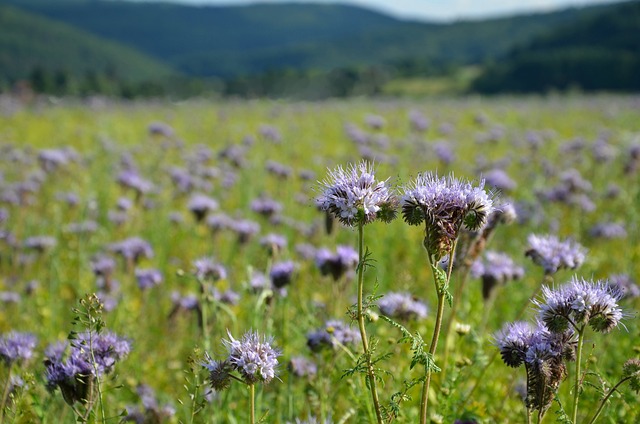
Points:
(446, 10)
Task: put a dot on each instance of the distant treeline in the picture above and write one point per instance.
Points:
(314, 84)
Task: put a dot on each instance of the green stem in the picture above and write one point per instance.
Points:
(252, 395)
(363, 331)
(576, 387)
(424, 401)
(204, 310)
(606, 398)
(5, 392)
(529, 416)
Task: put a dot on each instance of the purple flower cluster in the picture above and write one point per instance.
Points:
(495, 268)
(90, 356)
(209, 269)
(355, 197)
(445, 204)
(608, 230)
(133, 249)
(543, 353)
(151, 409)
(336, 264)
(578, 303)
(148, 278)
(281, 273)
(402, 306)
(253, 357)
(16, 347)
(266, 206)
(626, 284)
(552, 254)
(200, 205)
(333, 333)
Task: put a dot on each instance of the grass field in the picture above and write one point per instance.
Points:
(571, 164)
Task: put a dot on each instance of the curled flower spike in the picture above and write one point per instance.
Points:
(445, 204)
(355, 197)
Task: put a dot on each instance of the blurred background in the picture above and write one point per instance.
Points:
(317, 49)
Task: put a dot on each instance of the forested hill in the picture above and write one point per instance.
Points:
(227, 41)
(600, 52)
(30, 43)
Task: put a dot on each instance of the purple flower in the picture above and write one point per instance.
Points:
(219, 373)
(402, 306)
(345, 259)
(253, 357)
(17, 347)
(39, 243)
(608, 230)
(333, 333)
(219, 222)
(578, 303)
(200, 205)
(103, 266)
(495, 268)
(266, 206)
(131, 179)
(274, 242)
(279, 170)
(302, 367)
(133, 249)
(208, 269)
(270, 133)
(245, 229)
(160, 129)
(499, 179)
(552, 254)
(355, 197)
(626, 284)
(148, 278)
(281, 273)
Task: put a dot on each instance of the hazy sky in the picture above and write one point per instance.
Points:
(431, 9)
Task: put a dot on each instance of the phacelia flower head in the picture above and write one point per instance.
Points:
(333, 333)
(253, 357)
(402, 306)
(281, 273)
(201, 204)
(336, 264)
(148, 278)
(355, 197)
(578, 303)
(17, 347)
(445, 204)
(219, 373)
(552, 254)
(208, 268)
(495, 268)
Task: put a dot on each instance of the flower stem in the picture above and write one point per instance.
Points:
(204, 305)
(5, 392)
(424, 401)
(252, 409)
(606, 398)
(576, 387)
(363, 331)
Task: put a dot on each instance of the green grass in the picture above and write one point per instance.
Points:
(313, 139)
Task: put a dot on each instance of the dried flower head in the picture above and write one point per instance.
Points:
(355, 197)
(219, 373)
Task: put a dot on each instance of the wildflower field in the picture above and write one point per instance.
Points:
(453, 260)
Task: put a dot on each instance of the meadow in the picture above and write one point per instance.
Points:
(194, 222)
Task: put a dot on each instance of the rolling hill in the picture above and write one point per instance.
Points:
(227, 41)
(29, 42)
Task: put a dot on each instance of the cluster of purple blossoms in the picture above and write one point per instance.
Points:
(151, 411)
(500, 180)
(39, 243)
(253, 357)
(336, 264)
(445, 204)
(148, 278)
(17, 347)
(626, 284)
(132, 249)
(402, 306)
(552, 254)
(200, 205)
(578, 303)
(302, 367)
(132, 180)
(209, 269)
(274, 243)
(281, 273)
(245, 229)
(266, 206)
(355, 197)
(495, 269)
(89, 356)
(333, 333)
(608, 230)
(277, 169)
(543, 353)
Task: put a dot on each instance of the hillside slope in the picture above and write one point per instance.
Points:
(29, 42)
